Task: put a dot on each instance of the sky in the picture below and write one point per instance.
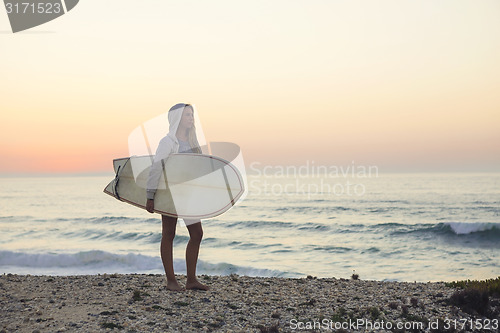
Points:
(402, 85)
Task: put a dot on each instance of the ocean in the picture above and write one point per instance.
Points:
(390, 227)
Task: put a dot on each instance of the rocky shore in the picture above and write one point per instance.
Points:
(140, 303)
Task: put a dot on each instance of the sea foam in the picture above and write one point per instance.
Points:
(464, 228)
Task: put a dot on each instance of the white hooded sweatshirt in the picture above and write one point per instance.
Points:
(168, 145)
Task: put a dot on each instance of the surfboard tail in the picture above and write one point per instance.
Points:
(112, 188)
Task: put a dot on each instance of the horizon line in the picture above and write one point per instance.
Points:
(112, 174)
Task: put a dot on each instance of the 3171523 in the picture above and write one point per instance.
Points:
(33, 8)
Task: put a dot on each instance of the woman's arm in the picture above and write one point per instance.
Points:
(163, 151)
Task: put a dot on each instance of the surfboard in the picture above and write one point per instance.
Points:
(192, 186)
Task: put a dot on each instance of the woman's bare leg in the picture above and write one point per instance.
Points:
(192, 250)
(169, 225)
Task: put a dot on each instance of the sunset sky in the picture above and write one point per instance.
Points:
(403, 85)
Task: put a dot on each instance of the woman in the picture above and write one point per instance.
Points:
(181, 138)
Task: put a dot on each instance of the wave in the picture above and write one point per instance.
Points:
(12, 218)
(487, 229)
(91, 260)
(451, 228)
(109, 220)
(464, 234)
(464, 228)
(257, 224)
(114, 235)
(94, 234)
(331, 249)
(99, 262)
(308, 226)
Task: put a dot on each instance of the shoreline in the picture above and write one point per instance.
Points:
(140, 303)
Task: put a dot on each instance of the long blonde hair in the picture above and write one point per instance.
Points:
(192, 139)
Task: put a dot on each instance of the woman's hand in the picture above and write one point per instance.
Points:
(150, 205)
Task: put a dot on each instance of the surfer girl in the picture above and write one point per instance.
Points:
(181, 138)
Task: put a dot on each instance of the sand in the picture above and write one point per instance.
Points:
(140, 303)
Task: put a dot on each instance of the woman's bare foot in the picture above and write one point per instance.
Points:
(174, 286)
(196, 285)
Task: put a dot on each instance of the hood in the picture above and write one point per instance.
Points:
(174, 118)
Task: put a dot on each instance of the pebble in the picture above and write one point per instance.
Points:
(234, 303)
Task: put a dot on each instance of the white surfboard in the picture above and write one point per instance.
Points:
(192, 186)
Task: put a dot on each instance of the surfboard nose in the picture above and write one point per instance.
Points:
(26, 14)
